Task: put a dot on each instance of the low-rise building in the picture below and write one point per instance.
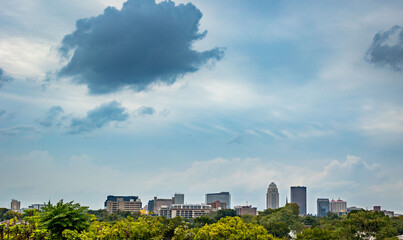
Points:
(217, 205)
(246, 210)
(190, 210)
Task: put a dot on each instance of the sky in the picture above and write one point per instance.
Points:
(144, 98)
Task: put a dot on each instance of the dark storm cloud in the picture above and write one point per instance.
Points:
(143, 111)
(99, 117)
(52, 117)
(4, 78)
(387, 49)
(136, 46)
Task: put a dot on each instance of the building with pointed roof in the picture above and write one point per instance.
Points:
(272, 196)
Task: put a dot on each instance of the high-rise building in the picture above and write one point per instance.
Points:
(322, 205)
(338, 206)
(298, 196)
(272, 196)
(15, 205)
(179, 198)
(246, 210)
(122, 203)
(222, 197)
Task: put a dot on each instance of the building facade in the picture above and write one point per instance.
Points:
(338, 206)
(272, 196)
(190, 210)
(224, 197)
(15, 205)
(123, 203)
(246, 210)
(298, 196)
(322, 205)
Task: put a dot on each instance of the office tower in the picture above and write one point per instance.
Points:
(246, 210)
(122, 203)
(322, 205)
(222, 197)
(272, 196)
(298, 196)
(15, 205)
(338, 206)
(179, 198)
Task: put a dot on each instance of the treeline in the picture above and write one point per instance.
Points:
(72, 221)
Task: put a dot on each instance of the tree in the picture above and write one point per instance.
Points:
(64, 216)
(316, 234)
(232, 228)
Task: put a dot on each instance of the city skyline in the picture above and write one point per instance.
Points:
(322, 205)
(151, 98)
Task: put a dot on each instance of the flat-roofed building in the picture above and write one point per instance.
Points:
(123, 203)
(222, 197)
(190, 210)
(298, 196)
(179, 198)
(322, 207)
(246, 210)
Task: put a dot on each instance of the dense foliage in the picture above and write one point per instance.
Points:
(72, 221)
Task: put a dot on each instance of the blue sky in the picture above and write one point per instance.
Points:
(149, 99)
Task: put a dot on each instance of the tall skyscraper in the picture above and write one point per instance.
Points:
(222, 197)
(322, 205)
(179, 198)
(272, 196)
(298, 196)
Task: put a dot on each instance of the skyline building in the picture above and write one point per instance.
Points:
(322, 205)
(338, 206)
(245, 210)
(222, 197)
(272, 196)
(123, 203)
(15, 205)
(179, 198)
(298, 196)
